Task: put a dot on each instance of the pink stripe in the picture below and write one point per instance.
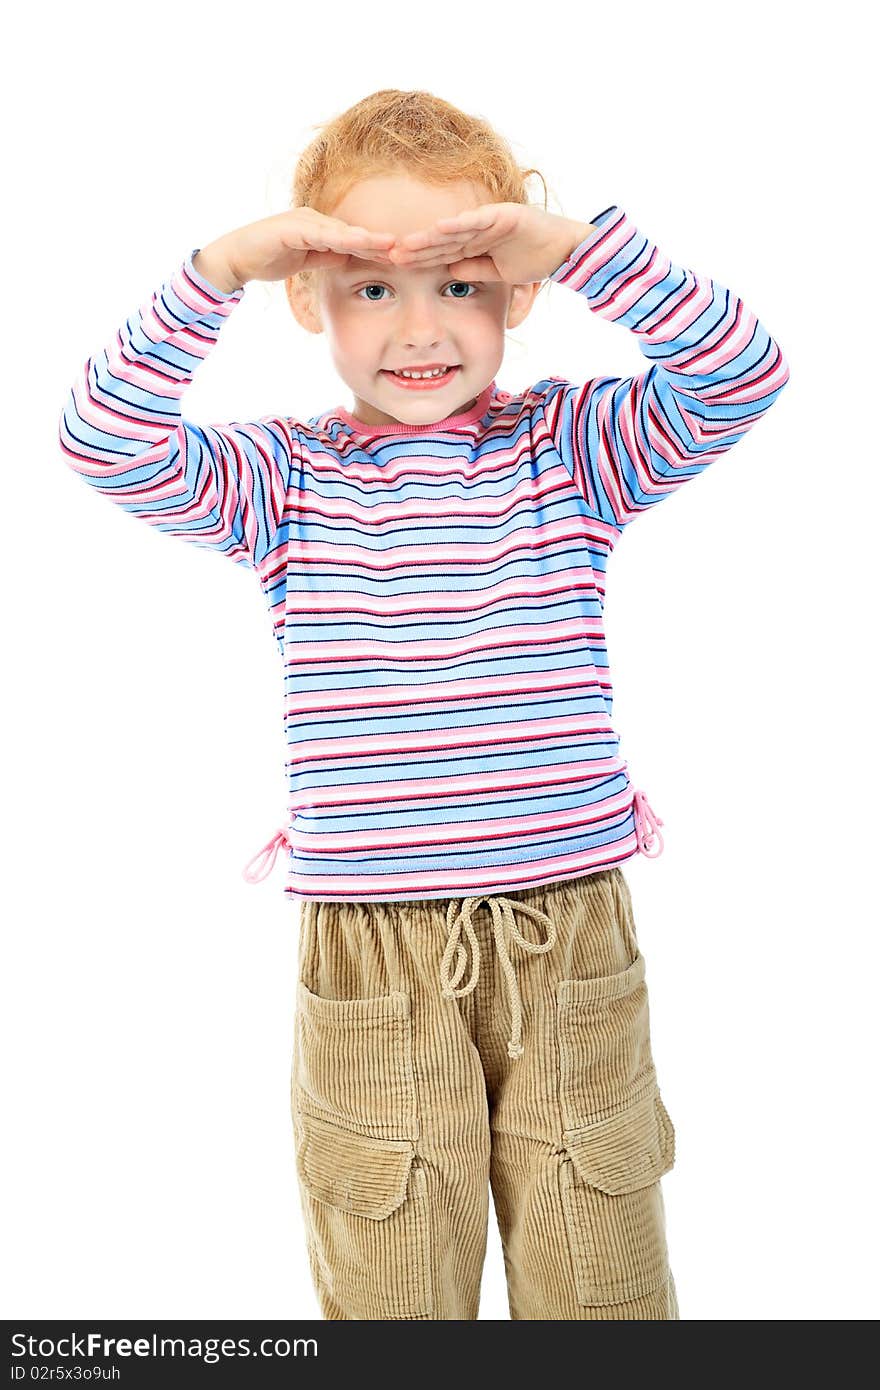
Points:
(417, 511)
(357, 795)
(384, 697)
(734, 334)
(450, 740)
(108, 419)
(539, 633)
(600, 254)
(632, 285)
(195, 298)
(425, 789)
(501, 461)
(677, 314)
(470, 602)
(522, 828)
(476, 552)
(357, 887)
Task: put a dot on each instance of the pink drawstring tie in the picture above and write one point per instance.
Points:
(647, 823)
(270, 850)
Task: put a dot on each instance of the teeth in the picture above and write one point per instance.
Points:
(417, 376)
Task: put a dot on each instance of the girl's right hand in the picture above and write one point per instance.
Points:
(278, 246)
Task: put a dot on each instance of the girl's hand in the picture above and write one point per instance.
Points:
(496, 241)
(276, 247)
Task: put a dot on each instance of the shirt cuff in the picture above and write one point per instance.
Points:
(594, 250)
(204, 285)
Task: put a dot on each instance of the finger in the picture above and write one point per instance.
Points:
(468, 267)
(361, 241)
(439, 250)
(346, 236)
(376, 238)
(332, 260)
(324, 260)
(353, 227)
(352, 242)
(440, 255)
(479, 218)
(430, 236)
(475, 268)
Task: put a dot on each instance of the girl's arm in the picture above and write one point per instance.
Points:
(628, 442)
(218, 486)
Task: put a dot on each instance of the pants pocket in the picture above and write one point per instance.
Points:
(612, 1203)
(368, 1227)
(603, 1037)
(353, 1063)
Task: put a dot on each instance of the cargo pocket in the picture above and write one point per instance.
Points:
(612, 1203)
(353, 1063)
(603, 1036)
(368, 1227)
(618, 1138)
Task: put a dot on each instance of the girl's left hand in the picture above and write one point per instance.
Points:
(496, 241)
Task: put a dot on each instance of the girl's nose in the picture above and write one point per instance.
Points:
(422, 326)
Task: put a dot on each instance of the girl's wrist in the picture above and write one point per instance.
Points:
(213, 266)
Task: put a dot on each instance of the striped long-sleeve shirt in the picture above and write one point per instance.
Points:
(437, 591)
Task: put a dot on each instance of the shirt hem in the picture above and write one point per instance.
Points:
(487, 889)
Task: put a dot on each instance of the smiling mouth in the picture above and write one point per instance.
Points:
(435, 379)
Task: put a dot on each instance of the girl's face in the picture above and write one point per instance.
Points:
(379, 316)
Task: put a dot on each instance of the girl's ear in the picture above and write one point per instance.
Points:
(521, 301)
(303, 305)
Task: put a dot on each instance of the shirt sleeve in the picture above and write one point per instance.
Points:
(218, 486)
(628, 442)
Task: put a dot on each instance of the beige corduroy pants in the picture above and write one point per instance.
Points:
(444, 1047)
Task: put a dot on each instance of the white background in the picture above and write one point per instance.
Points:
(148, 991)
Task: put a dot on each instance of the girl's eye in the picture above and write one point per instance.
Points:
(466, 283)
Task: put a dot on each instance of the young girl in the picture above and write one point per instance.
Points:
(472, 1008)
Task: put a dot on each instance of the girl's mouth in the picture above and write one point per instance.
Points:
(425, 383)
